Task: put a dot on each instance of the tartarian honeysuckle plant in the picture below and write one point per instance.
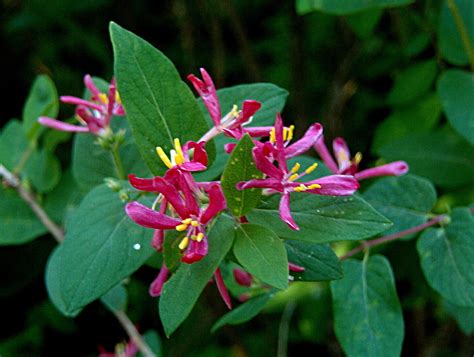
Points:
(212, 189)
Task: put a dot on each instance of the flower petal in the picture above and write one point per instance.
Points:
(157, 284)
(261, 183)
(242, 277)
(249, 108)
(308, 140)
(258, 131)
(342, 153)
(263, 163)
(149, 218)
(79, 101)
(192, 166)
(59, 125)
(323, 152)
(195, 251)
(285, 212)
(222, 288)
(208, 94)
(396, 168)
(334, 185)
(217, 203)
(89, 83)
(200, 154)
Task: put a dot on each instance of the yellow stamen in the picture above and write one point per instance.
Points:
(300, 188)
(200, 237)
(184, 243)
(295, 168)
(187, 221)
(179, 158)
(194, 223)
(290, 133)
(358, 158)
(103, 98)
(311, 168)
(118, 100)
(293, 177)
(193, 237)
(181, 227)
(313, 186)
(235, 111)
(163, 157)
(285, 133)
(272, 136)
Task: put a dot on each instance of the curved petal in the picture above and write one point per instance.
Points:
(263, 164)
(192, 166)
(309, 139)
(157, 284)
(279, 132)
(208, 94)
(217, 203)
(200, 154)
(242, 277)
(195, 251)
(342, 153)
(149, 218)
(59, 125)
(334, 185)
(396, 168)
(89, 83)
(78, 101)
(261, 183)
(285, 212)
(222, 288)
(324, 154)
(191, 204)
(249, 108)
(258, 131)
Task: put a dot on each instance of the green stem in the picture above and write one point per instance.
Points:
(23, 159)
(118, 162)
(462, 31)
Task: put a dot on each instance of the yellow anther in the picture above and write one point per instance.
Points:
(235, 111)
(272, 136)
(163, 157)
(179, 158)
(184, 243)
(300, 188)
(200, 237)
(290, 133)
(194, 223)
(79, 119)
(193, 237)
(118, 100)
(311, 168)
(313, 186)
(293, 177)
(181, 227)
(295, 168)
(103, 98)
(187, 221)
(285, 133)
(358, 158)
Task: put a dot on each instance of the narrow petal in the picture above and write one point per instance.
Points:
(59, 125)
(342, 153)
(258, 131)
(285, 212)
(261, 183)
(208, 94)
(78, 101)
(295, 268)
(334, 185)
(263, 164)
(396, 168)
(89, 83)
(242, 277)
(249, 108)
(195, 251)
(157, 241)
(222, 288)
(200, 154)
(323, 152)
(191, 204)
(217, 203)
(304, 144)
(157, 284)
(229, 147)
(149, 218)
(192, 166)
(279, 132)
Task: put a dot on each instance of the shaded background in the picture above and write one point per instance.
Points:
(338, 70)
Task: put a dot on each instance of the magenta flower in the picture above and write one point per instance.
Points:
(95, 114)
(192, 219)
(128, 349)
(180, 159)
(350, 166)
(242, 277)
(280, 179)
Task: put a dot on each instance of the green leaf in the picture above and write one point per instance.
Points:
(244, 312)
(345, 7)
(19, 224)
(412, 82)
(261, 253)
(171, 252)
(419, 117)
(322, 219)
(91, 163)
(446, 258)
(456, 90)
(319, 261)
(153, 340)
(43, 170)
(183, 289)
(438, 156)
(116, 299)
(42, 101)
(102, 247)
(159, 105)
(13, 144)
(450, 43)
(273, 100)
(405, 200)
(364, 23)
(241, 167)
(367, 314)
(464, 316)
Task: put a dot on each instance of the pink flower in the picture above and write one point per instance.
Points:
(129, 349)
(242, 277)
(95, 114)
(180, 159)
(350, 166)
(191, 219)
(280, 179)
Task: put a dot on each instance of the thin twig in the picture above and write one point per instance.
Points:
(284, 328)
(462, 31)
(133, 333)
(388, 238)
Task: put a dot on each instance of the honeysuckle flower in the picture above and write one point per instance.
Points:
(192, 219)
(157, 285)
(94, 114)
(280, 179)
(179, 158)
(350, 166)
(222, 288)
(242, 277)
(128, 349)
